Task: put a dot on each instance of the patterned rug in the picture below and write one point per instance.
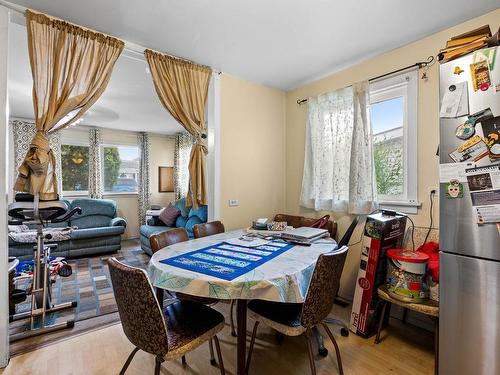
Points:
(90, 286)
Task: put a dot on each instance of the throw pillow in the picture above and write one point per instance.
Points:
(169, 214)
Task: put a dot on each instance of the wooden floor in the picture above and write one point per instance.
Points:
(404, 350)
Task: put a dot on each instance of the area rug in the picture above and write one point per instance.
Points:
(90, 286)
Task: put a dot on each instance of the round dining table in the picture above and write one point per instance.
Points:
(284, 278)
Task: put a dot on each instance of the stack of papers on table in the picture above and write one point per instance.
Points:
(247, 241)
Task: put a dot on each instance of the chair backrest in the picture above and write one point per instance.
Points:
(140, 314)
(169, 237)
(323, 287)
(208, 229)
(347, 235)
(301, 221)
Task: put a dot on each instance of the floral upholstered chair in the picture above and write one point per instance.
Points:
(294, 319)
(169, 334)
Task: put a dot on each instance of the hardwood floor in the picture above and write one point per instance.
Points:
(404, 350)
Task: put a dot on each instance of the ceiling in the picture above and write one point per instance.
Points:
(280, 43)
(129, 102)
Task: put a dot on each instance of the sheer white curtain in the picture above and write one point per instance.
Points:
(183, 145)
(338, 164)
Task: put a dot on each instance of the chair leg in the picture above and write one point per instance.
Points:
(219, 356)
(337, 349)
(233, 332)
(129, 359)
(322, 351)
(213, 362)
(184, 362)
(381, 322)
(159, 361)
(252, 342)
(308, 337)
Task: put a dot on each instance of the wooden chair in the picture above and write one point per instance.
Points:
(168, 335)
(170, 237)
(210, 229)
(294, 319)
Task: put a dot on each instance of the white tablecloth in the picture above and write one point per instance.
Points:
(282, 279)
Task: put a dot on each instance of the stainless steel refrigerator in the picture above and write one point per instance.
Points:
(469, 331)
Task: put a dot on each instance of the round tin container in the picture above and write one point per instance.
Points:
(406, 275)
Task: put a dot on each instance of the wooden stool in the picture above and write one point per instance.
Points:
(429, 308)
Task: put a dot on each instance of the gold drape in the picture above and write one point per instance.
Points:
(183, 90)
(71, 67)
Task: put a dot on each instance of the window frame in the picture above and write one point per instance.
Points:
(115, 144)
(403, 85)
(80, 143)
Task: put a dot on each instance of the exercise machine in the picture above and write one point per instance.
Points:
(29, 210)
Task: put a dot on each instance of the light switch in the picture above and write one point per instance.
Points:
(233, 203)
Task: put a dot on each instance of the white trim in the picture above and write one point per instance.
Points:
(4, 172)
(213, 135)
(403, 85)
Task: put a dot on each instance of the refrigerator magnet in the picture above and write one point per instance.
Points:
(458, 70)
(465, 131)
(480, 72)
(454, 189)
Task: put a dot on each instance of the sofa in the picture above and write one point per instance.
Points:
(187, 219)
(98, 231)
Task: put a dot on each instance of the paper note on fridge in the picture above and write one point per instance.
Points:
(454, 171)
(455, 101)
(484, 187)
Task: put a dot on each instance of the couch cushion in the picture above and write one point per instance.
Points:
(169, 214)
(90, 207)
(148, 230)
(181, 222)
(94, 221)
(192, 221)
(181, 205)
(97, 232)
(201, 212)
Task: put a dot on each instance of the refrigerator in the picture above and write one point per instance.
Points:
(469, 296)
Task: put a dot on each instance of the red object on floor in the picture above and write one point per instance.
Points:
(432, 250)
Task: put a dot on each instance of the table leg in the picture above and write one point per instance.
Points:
(241, 325)
(381, 322)
(159, 296)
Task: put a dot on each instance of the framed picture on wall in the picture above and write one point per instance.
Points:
(165, 179)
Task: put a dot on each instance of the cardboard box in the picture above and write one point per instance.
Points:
(381, 233)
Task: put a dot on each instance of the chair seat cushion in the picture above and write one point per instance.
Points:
(190, 324)
(79, 234)
(284, 317)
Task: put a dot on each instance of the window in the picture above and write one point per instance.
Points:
(120, 168)
(393, 112)
(75, 168)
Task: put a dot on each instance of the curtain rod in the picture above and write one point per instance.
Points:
(129, 46)
(419, 65)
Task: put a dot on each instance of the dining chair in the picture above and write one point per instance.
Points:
(210, 229)
(168, 335)
(170, 237)
(294, 319)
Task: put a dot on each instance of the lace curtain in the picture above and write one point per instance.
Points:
(183, 144)
(23, 132)
(338, 164)
(95, 164)
(144, 193)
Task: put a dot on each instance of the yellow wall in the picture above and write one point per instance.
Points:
(428, 111)
(252, 149)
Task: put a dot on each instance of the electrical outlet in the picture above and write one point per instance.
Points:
(434, 190)
(233, 202)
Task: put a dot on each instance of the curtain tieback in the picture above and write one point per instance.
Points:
(200, 142)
